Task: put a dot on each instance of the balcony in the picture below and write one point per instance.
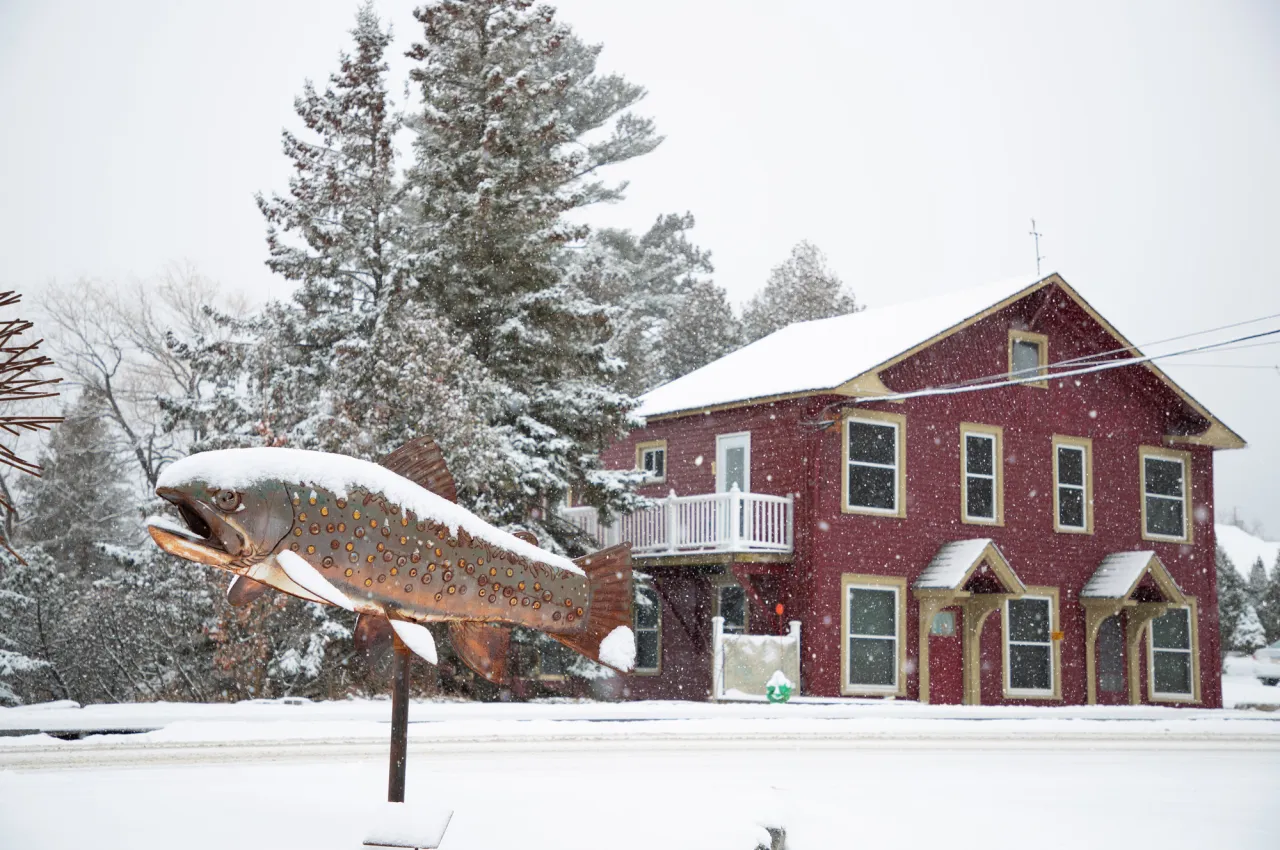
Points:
(712, 528)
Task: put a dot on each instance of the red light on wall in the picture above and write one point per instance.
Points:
(779, 609)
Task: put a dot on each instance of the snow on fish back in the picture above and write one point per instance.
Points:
(239, 469)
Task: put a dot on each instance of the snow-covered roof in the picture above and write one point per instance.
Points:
(1117, 574)
(1244, 548)
(826, 353)
(951, 566)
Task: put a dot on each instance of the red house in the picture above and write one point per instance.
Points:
(956, 498)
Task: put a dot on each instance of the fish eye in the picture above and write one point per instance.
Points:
(226, 500)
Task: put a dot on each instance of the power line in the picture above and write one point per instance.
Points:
(1087, 370)
(1087, 358)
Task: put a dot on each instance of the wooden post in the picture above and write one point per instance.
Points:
(399, 722)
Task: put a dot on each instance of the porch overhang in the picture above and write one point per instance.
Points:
(1137, 583)
(975, 576)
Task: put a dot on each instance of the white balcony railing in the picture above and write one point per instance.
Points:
(716, 522)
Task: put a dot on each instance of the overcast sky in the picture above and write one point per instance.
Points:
(913, 142)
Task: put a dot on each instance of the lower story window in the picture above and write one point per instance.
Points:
(731, 603)
(1029, 664)
(648, 619)
(872, 624)
(1171, 667)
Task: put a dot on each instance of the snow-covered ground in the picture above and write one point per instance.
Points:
(645, 775)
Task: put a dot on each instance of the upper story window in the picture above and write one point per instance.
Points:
(982, 456)
(1073, 484)
(1028, 356)
(1165, 504)
(651, 457)
(648, 628)
(875, 462)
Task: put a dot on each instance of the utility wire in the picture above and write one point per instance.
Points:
(1087, 370)
(1097, 357)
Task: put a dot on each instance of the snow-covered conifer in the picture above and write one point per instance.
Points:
(705, 329)
(799, 289)
(513, 130)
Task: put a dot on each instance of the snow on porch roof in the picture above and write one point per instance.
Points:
(956, 561)
(825, 353)
(1119, 572)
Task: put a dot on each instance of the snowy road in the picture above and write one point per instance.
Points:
(590, 795)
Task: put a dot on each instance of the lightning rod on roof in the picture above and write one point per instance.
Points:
(1037, 236)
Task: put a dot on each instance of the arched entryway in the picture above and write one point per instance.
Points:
(973, 579)
(1123, 596)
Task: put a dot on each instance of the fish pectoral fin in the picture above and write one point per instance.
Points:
(417, 637)
(482, 647)
(421, 461)
(244, 590)
(308, 578)
(372, 634)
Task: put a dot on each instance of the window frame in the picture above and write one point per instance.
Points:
(1169, 455)
(876, 417)
(898, 585)
(1193, 623)
(995, 434)
(1054, 692)
(1085, 445)
(552, 677)
(651, 446)
(1043, 342)
(646, 587)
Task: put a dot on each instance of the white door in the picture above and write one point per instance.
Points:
(733, 462)
(733, 469)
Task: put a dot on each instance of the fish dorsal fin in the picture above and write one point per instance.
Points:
(482, 647)
(527, 536)
(421, 461)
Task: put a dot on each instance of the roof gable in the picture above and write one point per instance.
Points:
(844, 355)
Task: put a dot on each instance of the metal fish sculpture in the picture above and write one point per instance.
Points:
(389, 541)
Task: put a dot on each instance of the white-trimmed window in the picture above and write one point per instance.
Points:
(981, 458)
(1164, 495)
(1172, 673)
(1029, 653)
(648, 629)
(1028, 356)
(651, 458)
(873, 635)
(731, 604)
(874, 460)
(1073, 484)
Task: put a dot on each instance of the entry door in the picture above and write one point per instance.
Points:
(946, 658)
(733, 462)
(733, 468)
(1109, 655)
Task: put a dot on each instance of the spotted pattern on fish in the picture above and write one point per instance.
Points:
(372, 549)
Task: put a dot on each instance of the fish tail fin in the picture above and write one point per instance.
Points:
(609, 578)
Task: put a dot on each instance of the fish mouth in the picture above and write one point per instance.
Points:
(207, 538)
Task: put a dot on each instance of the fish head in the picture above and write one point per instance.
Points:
(226, 528)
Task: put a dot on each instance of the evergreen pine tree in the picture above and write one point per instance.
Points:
(705, 329)
(1268, 604)
(1237, 618)
(800, 289)
(514, 129)
(1257, 581)
(649, 282)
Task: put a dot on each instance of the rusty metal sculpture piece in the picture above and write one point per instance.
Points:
(397, 551)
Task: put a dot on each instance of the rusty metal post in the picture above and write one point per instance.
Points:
(399, 722)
